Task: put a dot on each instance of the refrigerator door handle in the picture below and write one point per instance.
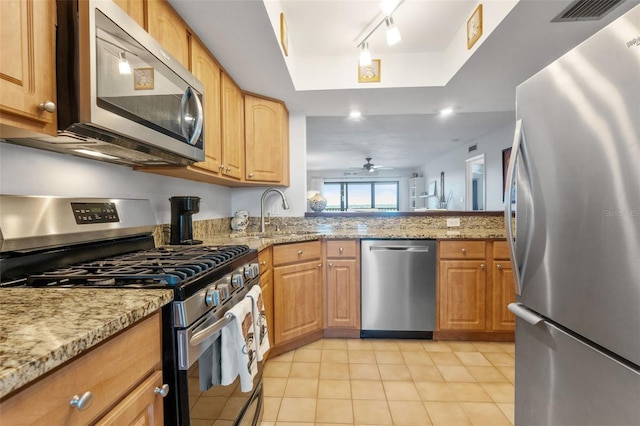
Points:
(522, 312)
(508, 206)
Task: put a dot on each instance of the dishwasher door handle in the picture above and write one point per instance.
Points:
(399, 248)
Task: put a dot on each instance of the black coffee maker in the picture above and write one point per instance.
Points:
(182, 208)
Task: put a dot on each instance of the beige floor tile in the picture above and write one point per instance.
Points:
(274, 386)
(385, 345)
(416, 358)
(447, 414)
(364, 371)
(409, 413)
(431, 346)
(332, 424)
(462, 347)
(500, 359)
(334, 371)
(469, 392)
(425, 373)
(277, 369)
(389, 357)
(359, 344)
(334, 388)
(508, 372)
(508, 347)
(394, 372)
(307, 355)
(305, 370)
(484, 414)
(487, 346)
(433, 391)
(362, 357)
(334, 411)
(411, 345)
(297, 410)
(487, 374)
(500, 392)
(367, 389)
(301, 388)
(261, 423)
(335, 356)
(455, 373)
(334, 344)
(371, 413)
(314, 345)
(271, 407)
(508, 410)
(445, 358)
(400, 391)
(473, 358)
(285, 357)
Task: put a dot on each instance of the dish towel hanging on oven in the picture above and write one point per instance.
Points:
(238, 347)
(259, 321)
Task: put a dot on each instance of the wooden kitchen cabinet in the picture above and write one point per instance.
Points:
(297, 291)
(232, 129)
(123, 373)
(166, 26)
(134, 8)
(342, 260)
(266, 285)
(266, 130)
(473, 291)
(27, 66)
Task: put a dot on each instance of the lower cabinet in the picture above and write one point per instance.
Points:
(297, 294)
(342, 260)
(474, 289)
(266, 285)
(123, 372)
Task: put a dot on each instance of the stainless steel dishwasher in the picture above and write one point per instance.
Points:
(398, 281)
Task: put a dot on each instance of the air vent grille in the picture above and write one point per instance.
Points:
(586, 10)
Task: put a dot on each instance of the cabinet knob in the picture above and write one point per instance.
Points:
(482, 266)
(250, 175)
(263, 263)
(82, 402)
(464, 251)
(299, 252)
(330, 265)
(48, 106)
(228, 169)
(163, 390)
(499, 266)
(319, 265)
(221, 166)
(340, 249)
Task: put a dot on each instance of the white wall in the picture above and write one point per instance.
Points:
(453, 164)
(29, 171)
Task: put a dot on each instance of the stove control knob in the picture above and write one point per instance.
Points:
(212, 297)
(256, 269)
(248, 271)
(237, 280)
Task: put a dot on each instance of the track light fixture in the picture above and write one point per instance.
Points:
(365, 55)
(393, 34)
(388, 7)
(123, 64)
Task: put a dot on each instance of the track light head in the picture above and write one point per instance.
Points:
(393, 34)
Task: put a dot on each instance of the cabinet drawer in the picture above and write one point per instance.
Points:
(296, 252)
(108, 371)
(342, 248)
(462, 249)
(500, 250)
(265, 260)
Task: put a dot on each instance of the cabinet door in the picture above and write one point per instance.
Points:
(134, 8)
(265, 142)
(142, 407)
(27, 64)
(232, 129)
(503, 293)
(343, 293)
(462, 295)
(168, 28)
(205, 68)
(297, 291)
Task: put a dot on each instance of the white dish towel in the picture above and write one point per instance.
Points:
(238, 347)
(259, 321)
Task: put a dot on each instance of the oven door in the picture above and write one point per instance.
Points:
(199, 366)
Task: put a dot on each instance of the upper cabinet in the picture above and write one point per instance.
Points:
(232, 129)
(27, 66)
(167, 27)
(266, 130)
(134, 8)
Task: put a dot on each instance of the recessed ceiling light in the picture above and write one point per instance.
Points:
(355, 114)
(446, 111)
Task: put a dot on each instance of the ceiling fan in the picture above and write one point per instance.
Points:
(370, 167)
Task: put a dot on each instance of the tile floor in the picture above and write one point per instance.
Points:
(391, 382)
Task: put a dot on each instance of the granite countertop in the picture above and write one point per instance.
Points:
(41, 329)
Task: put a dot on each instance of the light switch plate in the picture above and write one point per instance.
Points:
(453, 221)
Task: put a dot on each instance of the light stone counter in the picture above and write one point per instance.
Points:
(41, 329)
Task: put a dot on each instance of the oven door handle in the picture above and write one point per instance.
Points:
(204, 334)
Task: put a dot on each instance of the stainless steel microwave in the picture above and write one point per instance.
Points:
(121, 97)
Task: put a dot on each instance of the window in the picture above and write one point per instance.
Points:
(343, 196)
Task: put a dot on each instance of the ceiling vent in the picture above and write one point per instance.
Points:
(586, 10)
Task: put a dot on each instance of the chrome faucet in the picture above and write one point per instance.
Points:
(285, 205)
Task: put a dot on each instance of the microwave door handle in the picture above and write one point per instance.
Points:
(191, 140)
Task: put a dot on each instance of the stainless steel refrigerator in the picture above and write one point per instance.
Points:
(575, 247)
